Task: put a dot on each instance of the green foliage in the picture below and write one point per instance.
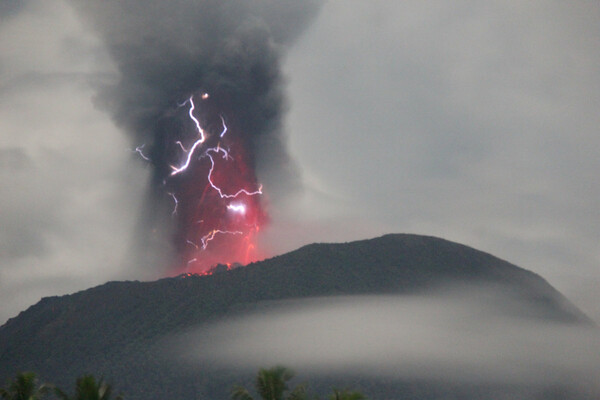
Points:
(86, 388)
(299, 393)
(24, 387)
(271, 384)
(240, 393)
(346, 395)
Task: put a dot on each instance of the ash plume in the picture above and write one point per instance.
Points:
(166, 53)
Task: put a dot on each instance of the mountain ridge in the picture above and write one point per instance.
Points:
(109, 329)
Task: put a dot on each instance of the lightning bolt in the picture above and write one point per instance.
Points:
(218, 189)
(139, 150)
(176, 203)
(182, 148)
(211, 235)
(224, 127)
(238, 208)
(196, 143)
(191, 153)
(192, 243)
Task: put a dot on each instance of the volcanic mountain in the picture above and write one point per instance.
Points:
(116, 330)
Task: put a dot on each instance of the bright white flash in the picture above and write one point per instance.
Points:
(237, 208)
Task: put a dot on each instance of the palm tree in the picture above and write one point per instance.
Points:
(346, 395)
(86, 388)
(24, 387)
(271, 384)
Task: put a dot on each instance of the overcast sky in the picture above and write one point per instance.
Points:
(472, 121)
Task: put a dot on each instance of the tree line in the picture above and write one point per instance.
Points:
(26, 386)
(270, 384)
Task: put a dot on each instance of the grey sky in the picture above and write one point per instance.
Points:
(472, 121)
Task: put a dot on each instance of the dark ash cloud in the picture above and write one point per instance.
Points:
(166, 51)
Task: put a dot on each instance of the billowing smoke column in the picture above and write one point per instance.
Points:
(200, 91)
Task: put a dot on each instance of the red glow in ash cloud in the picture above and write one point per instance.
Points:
(215, 192)
(200, 91)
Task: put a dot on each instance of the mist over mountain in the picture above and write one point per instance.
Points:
(421, 303)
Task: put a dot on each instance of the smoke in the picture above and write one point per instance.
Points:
(466, 337)
(168, 52)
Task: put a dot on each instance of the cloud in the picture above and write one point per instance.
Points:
(71, 191)
(467, 336)
(68, 189)
(473, 122)
(167, 51)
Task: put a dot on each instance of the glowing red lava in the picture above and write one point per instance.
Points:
(217, 198)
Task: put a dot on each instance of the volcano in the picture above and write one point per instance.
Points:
(118, 330)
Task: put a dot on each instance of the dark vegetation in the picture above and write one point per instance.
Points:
(270, 384)
(25, 386)
(113, 330)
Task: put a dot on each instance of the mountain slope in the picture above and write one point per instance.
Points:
(112, 329)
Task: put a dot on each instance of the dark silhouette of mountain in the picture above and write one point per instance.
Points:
(113, 330)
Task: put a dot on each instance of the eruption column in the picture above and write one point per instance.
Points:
(170, 50)
(201, 199)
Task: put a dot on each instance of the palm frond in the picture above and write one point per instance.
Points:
(24, 386)
(299, 393)
(271, 383)
(240, 393)
(60, 394)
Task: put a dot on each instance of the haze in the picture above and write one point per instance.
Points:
(467, 335)
(476, 122)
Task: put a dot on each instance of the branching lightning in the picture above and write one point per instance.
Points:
(198, 237)
(211, 236)
(218, 189)
(197, 143)
(205, 106)
(191, 113)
